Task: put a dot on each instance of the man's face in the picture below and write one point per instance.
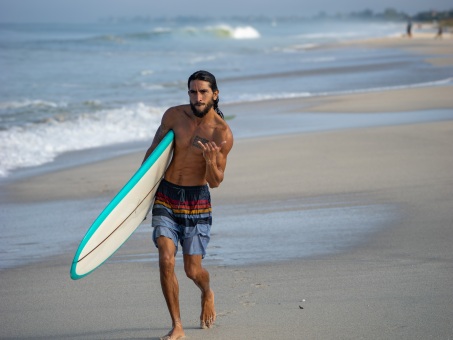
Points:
(201, 97)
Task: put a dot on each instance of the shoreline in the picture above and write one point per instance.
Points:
(438, 49)
(392, 283)
(96, 180)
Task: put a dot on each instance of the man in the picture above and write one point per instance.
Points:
(409, 29)
(182, 208)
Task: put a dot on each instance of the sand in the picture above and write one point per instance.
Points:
(396, 284)
(438, 52)
(399, 100)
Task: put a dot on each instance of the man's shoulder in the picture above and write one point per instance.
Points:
(174, 114)
(223, 126)
(177, 110)
(223, 131)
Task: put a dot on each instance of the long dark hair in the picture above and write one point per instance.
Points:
(209, 77)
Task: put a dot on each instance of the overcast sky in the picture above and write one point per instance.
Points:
(92, 10)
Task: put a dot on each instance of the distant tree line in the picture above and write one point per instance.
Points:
(392, 14)
(443, 17)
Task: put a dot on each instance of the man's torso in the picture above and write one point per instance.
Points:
(188, 166)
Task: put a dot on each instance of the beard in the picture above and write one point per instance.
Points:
(200, 113)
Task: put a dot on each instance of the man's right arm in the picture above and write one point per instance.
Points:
(162, 130)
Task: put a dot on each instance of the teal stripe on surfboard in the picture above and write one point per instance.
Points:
(150, 161)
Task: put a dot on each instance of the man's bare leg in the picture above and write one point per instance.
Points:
(170, 286)
(199, 275)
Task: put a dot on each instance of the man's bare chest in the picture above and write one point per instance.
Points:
(189, 139)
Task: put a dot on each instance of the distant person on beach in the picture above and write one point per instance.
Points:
(439, 32)
(182, 207)
(409, 29)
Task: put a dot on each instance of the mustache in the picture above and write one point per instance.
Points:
(200, 109)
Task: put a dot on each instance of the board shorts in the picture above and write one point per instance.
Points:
(184, 214)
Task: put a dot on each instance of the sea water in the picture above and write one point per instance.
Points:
(241, 234)
(284, 230)
(69, 87)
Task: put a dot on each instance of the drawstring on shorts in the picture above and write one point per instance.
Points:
(182, 197)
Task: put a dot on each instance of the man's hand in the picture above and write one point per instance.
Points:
(210, 151)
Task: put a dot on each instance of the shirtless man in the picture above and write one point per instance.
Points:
(182, 208)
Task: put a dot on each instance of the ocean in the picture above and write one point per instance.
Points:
(68, 87)
(101, 88)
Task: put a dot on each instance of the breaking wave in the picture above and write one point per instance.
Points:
(39, 143)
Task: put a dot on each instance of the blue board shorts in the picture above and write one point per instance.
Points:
(184, 214)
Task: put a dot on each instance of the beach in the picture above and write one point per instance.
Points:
(392, 282)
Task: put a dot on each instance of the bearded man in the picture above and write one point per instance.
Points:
(182, 207)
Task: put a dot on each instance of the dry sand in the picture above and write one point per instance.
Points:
(439, 52)
(396, 285)
(386, 101)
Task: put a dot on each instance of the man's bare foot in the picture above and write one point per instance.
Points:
(208, 315)
(175, 334)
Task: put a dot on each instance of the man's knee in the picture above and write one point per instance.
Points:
(192, 267)
(191, 272)
(166, 254)
(166, 260)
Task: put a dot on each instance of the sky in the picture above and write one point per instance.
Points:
(93, 10)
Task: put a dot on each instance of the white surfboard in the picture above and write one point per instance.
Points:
(124, 213)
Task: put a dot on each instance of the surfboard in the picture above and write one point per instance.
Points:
(125, 212)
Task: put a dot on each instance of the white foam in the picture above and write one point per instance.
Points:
(318, 60)
(239, 32)
(162, 30)
(146, 72)
(30, 103)
(39, 143)
(255, 97)
(246, 32)
(294, 48)
(202, 59)
(328, 35)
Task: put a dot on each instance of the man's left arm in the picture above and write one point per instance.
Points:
(216, 159)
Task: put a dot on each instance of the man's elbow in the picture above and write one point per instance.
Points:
(214, 185)
(214, 181)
